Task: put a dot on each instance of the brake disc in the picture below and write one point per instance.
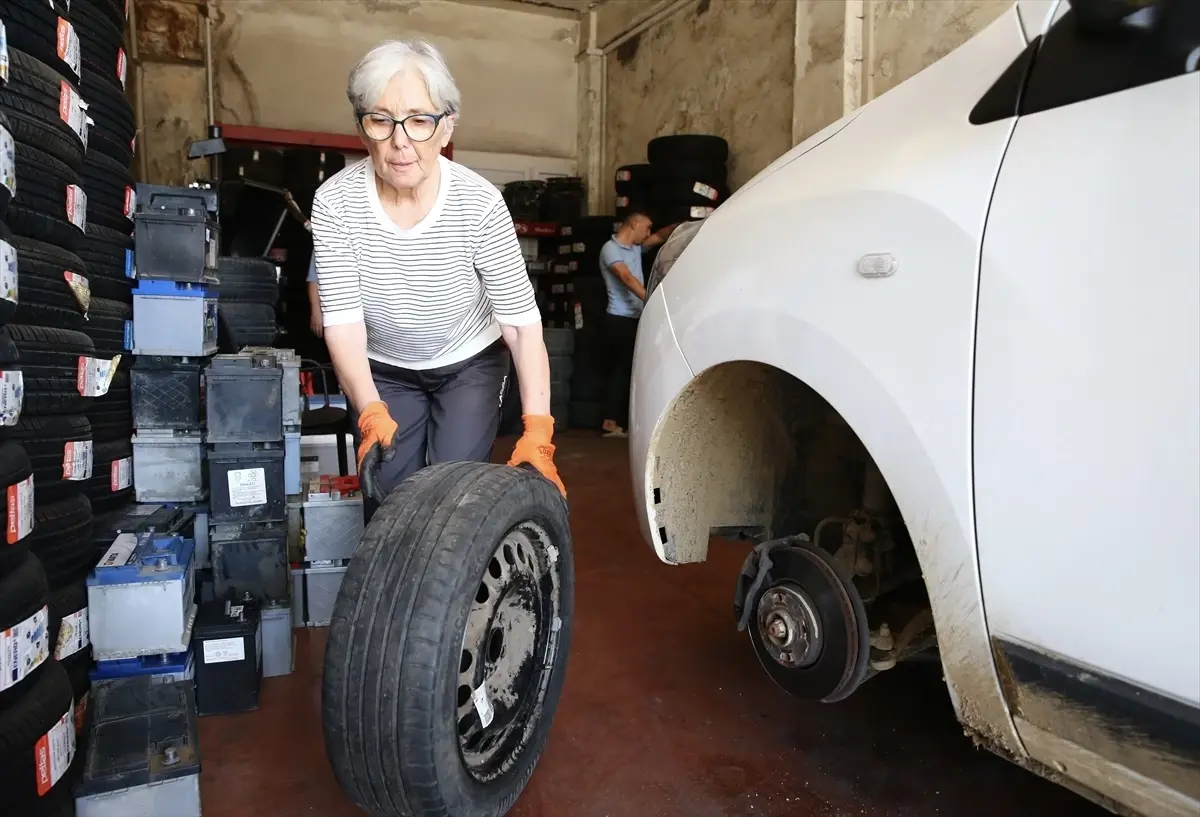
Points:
(809, 628)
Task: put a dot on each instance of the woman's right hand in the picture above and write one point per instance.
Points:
(378, 431)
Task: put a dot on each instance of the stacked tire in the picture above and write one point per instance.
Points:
(688, 178)
(580, 246)
(66, 198)
(635, 188)
(246, 310)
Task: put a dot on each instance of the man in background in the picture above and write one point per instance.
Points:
(621, 267)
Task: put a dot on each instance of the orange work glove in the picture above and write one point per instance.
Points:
(535, 448)
(378, 431)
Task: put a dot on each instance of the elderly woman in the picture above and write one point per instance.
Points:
(423, 289)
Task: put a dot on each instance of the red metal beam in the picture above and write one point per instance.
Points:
(255, 135)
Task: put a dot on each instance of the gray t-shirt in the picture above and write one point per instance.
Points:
(621, 301)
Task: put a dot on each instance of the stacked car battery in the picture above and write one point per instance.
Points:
(332, 526)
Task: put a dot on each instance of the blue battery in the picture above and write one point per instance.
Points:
(167, 668)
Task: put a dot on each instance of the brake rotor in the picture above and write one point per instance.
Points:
(809, 628)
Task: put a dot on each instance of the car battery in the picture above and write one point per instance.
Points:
(197, 531)
(291, 461)
(314, 592)
(244, 398)
(333, 519)
(168, 668)
(247, 483)
(250, 558)
(142, 754)
(176, 243)
(278, 639)
(228, 657)
(319, 455)
(141, 593)
(289, 362)
(169, 465)
(175, 319)
(295, 529)
(167, 392)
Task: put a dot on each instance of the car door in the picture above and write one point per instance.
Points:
(1087, 412)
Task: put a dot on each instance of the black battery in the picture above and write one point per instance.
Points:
(228, 645)
(167, 392)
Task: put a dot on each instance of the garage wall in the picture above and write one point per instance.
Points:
(745, 69)
(284, 64)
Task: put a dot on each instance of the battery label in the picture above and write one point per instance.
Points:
(247, 486)
(94, 375)
(20, 510)
(77, 460)
(24, 647)
(122, 474)
(224, 650)
(74, 633)
(54, 752)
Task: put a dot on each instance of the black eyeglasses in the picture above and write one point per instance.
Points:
(419, 127)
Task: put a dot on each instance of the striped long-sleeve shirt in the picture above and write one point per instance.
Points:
(429, 296)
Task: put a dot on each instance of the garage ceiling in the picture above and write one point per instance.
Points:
(567, 5)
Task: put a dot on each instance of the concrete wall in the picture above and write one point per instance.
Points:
(764, 74)
(284, 63)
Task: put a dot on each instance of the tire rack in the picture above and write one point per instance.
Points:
(66, 199)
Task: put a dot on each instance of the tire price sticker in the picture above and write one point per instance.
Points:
(702, 189)
(54, 752)
(624, 175)
(94, 375)
(130, 203)
(122, 66)
(74, 633)
(73, 110)
(24, 647)
(20, 510)
(700, 212)
(121, 476)
(77, 206)
(80, 288)
(622, 201)
(68, 45)
(77, 460)
(8, 160)
(8, 272)
(247, 486)
(4, 53)
(565, 231)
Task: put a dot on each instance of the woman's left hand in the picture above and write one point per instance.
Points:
(536, 449)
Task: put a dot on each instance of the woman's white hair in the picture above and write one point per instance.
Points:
(375, 70)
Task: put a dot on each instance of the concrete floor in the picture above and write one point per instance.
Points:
(665, 713)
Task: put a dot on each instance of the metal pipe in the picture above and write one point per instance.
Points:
(139, 111)
(653, 20)
(208, 62)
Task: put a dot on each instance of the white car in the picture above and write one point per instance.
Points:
(940, 363)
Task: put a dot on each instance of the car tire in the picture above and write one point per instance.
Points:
(104, 252)
(249, 280)
(50, 367)
(687, 147)
(99, 488)
(109, 186)
(244, 324)
(62, 539)
(44, 296)
(6, 193)
(111, 414)
(45, 440)
(31, 102)
(436, 558)
(14, 469)
(24, 593)
(34, 29)
(40, 208)
(109, 108)
(109, 325)
(40, 711)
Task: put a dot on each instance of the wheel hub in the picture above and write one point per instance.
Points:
(789, 626)
(508, 647)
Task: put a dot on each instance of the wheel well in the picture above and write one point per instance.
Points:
(751, 451)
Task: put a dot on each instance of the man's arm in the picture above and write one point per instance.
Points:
(627, 278)
(659, 236)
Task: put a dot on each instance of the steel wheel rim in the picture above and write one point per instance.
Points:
(509, 643)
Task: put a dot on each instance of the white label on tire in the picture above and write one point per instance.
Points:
(579, 246)
(700, 212)
(77, 460)
(565, 231)
(80, 288)
(130, 203)
(54, 752)
(94, 375)
(224, 650)
(74, 633)
(8, 272)
(624, 175)
(4, 53)
(572, 266)
(483, 705)
(68, 45)
(564, 249)
(8, 159)
(23, 648)
(122, 474)
(20, 510)
(622, 201)
(702, 189)
(72, 110)
(578, 316)
(77, 206)
(122, 66)
(247, 486)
